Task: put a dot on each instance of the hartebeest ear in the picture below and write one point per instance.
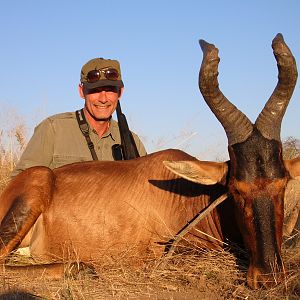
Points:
(293, 166)
(203, 172)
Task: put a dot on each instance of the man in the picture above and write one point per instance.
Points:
(58, 140)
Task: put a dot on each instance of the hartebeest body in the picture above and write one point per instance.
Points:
(89, 211)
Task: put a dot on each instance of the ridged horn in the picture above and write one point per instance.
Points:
(269, 120)
(236, 125)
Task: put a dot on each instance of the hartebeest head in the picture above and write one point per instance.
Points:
(256, 174)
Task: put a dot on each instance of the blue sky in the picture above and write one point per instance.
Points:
(45, 43)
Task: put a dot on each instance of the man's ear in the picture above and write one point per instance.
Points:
(121, 92)
(80, 90)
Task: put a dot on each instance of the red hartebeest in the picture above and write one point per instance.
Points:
(88, 211)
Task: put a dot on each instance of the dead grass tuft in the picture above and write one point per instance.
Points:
(205, 275)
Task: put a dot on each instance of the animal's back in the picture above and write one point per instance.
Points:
(101, 208)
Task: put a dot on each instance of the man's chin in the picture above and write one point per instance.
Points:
(102, 119)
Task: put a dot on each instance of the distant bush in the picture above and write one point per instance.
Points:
(13, 139)
(291, 148)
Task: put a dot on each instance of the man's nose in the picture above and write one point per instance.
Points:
(102, 96)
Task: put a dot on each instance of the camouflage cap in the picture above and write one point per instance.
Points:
(99, 64)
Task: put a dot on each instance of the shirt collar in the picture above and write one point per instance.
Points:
(113, 130)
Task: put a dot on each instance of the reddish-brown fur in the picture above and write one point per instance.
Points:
(106, 208)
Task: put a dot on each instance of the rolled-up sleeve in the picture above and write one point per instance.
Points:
(39, 151)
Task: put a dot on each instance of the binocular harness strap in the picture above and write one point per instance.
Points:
(84, 127)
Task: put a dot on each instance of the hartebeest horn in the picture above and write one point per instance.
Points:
(269, 120)
(237, 126)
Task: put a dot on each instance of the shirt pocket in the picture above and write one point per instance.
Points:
(61, 160)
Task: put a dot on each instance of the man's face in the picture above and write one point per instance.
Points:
(101, 102)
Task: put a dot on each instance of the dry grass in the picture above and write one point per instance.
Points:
(13, 140)
(206, 275)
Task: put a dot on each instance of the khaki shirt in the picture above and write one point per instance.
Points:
(58, 141)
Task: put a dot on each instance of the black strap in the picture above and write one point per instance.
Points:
(129, 148)
(84, 127)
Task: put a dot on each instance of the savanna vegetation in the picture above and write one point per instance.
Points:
(191, 275)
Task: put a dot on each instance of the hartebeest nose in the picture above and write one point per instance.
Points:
(256, 278)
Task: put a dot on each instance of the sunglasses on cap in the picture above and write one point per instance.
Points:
(95, 75)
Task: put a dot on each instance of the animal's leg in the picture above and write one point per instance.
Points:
(292, 207)
(22, 202)
(292, 220)
(26, 240)
(51, 270)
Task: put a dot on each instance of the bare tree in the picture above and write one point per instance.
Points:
(291, 147)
